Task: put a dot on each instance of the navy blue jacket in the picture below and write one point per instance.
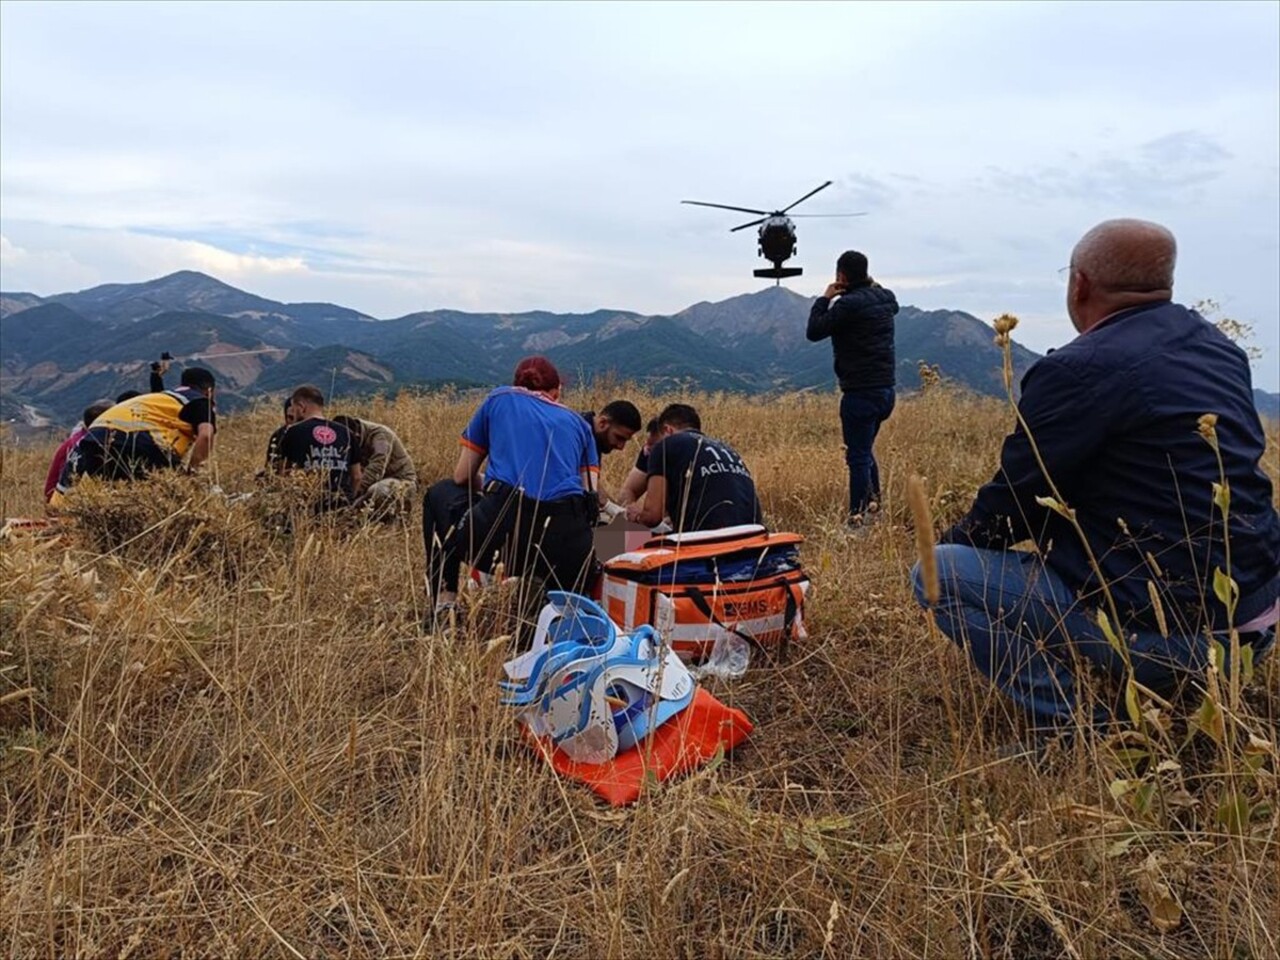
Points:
(860, 325)
(1114, 416)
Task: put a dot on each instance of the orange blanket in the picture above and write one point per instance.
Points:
(685, 742)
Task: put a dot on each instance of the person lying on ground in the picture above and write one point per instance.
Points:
(697, 482)
(1113, 470)
(533, 507)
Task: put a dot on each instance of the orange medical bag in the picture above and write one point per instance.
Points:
(694, 587)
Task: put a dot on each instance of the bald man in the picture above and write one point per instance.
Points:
(1111, 424)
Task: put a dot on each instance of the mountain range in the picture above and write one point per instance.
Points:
(60, 352)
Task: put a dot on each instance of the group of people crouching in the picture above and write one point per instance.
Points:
(525, 493)
(126, 440)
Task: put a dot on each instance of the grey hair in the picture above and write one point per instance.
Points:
(1127, 256)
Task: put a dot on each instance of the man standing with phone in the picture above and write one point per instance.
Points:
(857, 314)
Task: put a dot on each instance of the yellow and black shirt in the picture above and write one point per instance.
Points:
(171, 417)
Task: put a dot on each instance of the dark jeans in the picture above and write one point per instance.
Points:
(861, 413)
(549, 540)
(115, 455)
(1024, 628)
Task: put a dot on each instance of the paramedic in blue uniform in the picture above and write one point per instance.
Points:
(534, 505)
(695, 481)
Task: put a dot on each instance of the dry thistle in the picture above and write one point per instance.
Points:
(1207, 427)
(930, 376)
(1004, 326)
(922, 517)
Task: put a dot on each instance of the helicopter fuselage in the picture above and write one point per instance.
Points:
(777, 237)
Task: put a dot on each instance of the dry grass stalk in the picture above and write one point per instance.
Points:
(225, 738)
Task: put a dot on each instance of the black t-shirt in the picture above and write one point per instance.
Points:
(323, 446)
(198, 410)
(708, 485)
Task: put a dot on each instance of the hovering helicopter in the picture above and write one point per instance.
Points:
(777, 233)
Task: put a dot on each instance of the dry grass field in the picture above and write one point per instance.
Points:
(221, 739)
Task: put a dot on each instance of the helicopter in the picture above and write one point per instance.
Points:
(777, 234)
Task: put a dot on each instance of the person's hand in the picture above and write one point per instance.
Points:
(834, 289)
(633, 512)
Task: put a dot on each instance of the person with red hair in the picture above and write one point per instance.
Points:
(532, 508)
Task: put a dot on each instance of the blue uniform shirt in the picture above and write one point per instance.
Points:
(533, 443)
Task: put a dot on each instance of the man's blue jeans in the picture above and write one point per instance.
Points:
(1024, 629)
(861, 413)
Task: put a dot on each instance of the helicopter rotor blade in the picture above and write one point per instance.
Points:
(751, 224)
(812, 215)
(807, 196)
(721, 206)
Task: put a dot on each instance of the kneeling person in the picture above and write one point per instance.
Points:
(148, 432)
(387, 476)
(534, 507)
(321, 446)
(697, 482)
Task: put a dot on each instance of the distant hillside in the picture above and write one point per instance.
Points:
(59, 352)
(1268, 404)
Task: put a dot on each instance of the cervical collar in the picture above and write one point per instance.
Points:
(590, 690)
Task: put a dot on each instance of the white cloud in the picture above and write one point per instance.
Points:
(504, 157)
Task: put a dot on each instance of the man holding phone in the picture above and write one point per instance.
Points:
(857, 314)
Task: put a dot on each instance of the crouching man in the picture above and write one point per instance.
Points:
(1112, 430)
(387, 477)
(697, 482)
(150, 431)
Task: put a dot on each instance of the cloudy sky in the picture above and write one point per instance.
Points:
(402, 157)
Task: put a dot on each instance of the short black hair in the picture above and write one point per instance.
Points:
(199, 378)
(680, 415)
(853, 265)
(128, 395)
(622, 412)
(354, 426)
(308, 393)
(94, 410)
(652, 427)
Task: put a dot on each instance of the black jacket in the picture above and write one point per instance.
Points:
(860, 325)
(1114, 416)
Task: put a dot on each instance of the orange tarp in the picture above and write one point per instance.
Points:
(683, 743)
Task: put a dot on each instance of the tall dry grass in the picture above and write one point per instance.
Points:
(223, 736)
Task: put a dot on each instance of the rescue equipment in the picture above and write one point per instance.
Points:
(589, 689)
(696, 588)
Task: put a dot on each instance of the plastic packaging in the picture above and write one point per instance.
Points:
(729, 659)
